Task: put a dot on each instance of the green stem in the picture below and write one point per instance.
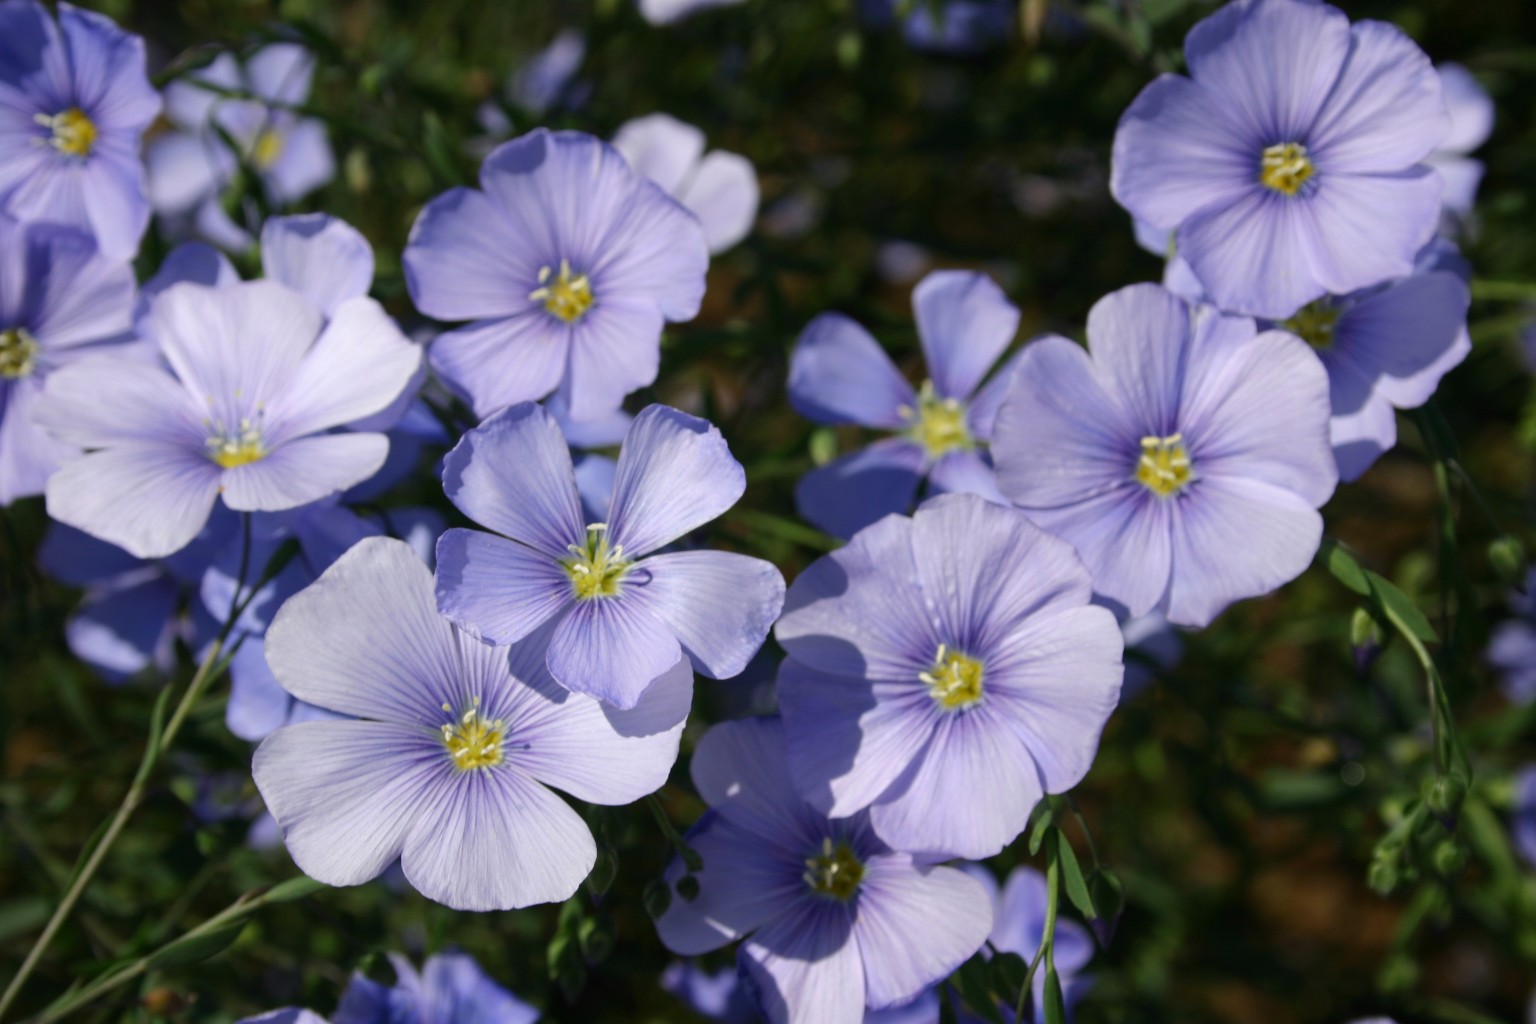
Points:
(1047, 950)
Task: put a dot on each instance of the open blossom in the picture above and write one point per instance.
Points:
(840, 374)
(287, 1015)
(1512, 649)
(255, 377)
(190, 168)
(619, 614)
(719, 188)
(452, 744)
(665, 12)
(450, 989)
(567, 263)
(1288, 163)
(1018, 926)
(1523, 826)
(1184, 454)
(832, 919)
(936, 650)
(1471, 113)
(74, 104)
(59, 300)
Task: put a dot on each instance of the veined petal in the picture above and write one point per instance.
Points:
(853, 491)
(497, 590)
(150, 499)
(675, 474)
(612, 648)
(965, 323)
(840, 374)
(303, 471)
(1385, 111)
(498, 363)
(806, 966)
(743, 884)
(915, 925)
(321, 257)
(719, 605)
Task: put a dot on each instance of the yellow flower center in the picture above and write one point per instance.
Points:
(1285, 167)
(954, 681)
(238, 448)
(1315, 323)
(595, 569)
(1164, 467)
(74, 134)
(473, 741)
(835, 872)
(18, 353)
(938, 424)
(267, 148)
(566, 295)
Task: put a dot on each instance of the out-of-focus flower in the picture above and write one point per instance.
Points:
(934, 650)
(833, 920)
(840, 374)
(1289, 162)
(568, 263)
(452, 745)
(1523, 816)
(291, 154)
(545, 81)
(256, 378)
(288, 1015)
(74, 104)
(60, 300)
(1184, 454)
(1018, 926)
(1152, 647)
(665, 12)
(724, 996)
(1471, 112)
(617, 615)
(1512, 650)
(719, 188)
(955, 27)
(451, 989)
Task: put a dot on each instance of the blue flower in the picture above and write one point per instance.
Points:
(665, 12)
(1523, 820)
(190, 168)
(1019, 926)
(1184, 454)
(288, 1015)
(74, 104)
(832, 919)
(718, 188)
(449, 747)
(567, 263)
(620, 615)
(933, 651)
(60, 300)
(1289, 163)
(1512, 650)
(839, 374)
(451, 989)
(1471, 112)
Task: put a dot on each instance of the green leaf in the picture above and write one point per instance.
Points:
(1400, 608)
(1055, 1006)
(1042, 826)
(1343, 566)
(1072, 876)
(195, 948)
(293, 889)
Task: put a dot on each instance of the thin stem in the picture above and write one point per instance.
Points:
(1046, 951)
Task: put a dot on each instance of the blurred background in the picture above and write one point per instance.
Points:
(1239, 795)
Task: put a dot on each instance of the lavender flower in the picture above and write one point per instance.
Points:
(1289, 162)
(568, 263)
(447, 765)
(287, 1015)
(934, 650)
(619, 616)
(724, 996)
(1471, 113)
(1512, 651)
(59, 301)
(832, 919)
(665, 12)
(718, 188)
(1018, 926)
(451, 989)
(191, 167)
(1184, 454)
(75, 106)
(839, 374)
(546, 80)
(1386, 348)
(256, 379)
(958, 27)
(1523, 822)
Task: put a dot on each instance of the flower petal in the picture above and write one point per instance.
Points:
(854, 491)
(615, 349)
(719, 605)
(458, 265)
(149, 499)
(806, 966)
(675, 474)
(303, 471)
(840, 374)
(965, 323)
(723, 194)
(612, 648)
(742, 885)
(741, 770)
(915, 925)
(321, 257)
(1385, 112)
(497, 590)
(660, 147)
(497, 363)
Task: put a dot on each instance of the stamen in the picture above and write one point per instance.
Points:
(955, 680)
(18, 353)
(595, 568)
(1315, 323)
(1164, 467)
(568, 297)
(938, 424)
(268, 148)
(1285, 167)
(74, 133)
(473, 741)
(238, 448)
(835, 872)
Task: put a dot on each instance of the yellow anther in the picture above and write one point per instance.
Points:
(238, 448)
(568, 296)
(1315, 323)
(595, 569)
(18, 353)
(267, 148)
(1285, 167)
(473, 741)
(74, 133)
(1164, 467)
(955, 680)
(938, 424)
(835, 872)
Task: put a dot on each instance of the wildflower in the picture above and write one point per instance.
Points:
(454, 742)
(256, 377)
(1289, 162)
(935, 650)
(60, 300)
(665, 12)
(832, 919)
(620, 615)
(1018, 926)
(1471, 112)
(567, 263)
(940, 431)
(450, 989)
(1184, 455)
(190, 168)
(77, 102)
(1523, 827)
(718, 188)
(1512, 651)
